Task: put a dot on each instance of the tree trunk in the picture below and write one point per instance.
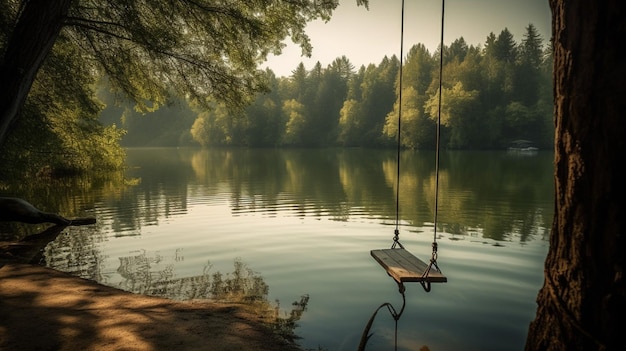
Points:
(35, 32)
(582, 304)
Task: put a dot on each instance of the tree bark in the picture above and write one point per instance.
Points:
(582, 304)
(37, 28)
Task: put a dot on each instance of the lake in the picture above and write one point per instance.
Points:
(293, 229)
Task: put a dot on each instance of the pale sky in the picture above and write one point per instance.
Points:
(365, 37)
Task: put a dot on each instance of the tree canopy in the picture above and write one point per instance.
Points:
(489, 101)
(204, 50)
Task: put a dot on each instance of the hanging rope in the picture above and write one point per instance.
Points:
(396, 239)
(394, 314)
(396, 236)
(433, 259)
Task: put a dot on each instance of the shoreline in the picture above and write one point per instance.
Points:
(44, 309)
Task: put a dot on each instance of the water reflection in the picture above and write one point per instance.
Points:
(369, 339)
(307, 219)
(71, 197)
(476, 188)
(143, 273)
(395, 314)
(242, 285)
(146, 275)
(30, 248)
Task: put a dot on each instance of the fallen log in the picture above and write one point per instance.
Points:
(13, 209)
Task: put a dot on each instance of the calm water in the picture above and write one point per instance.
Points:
(287, 226)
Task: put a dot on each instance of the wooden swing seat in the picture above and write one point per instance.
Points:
(403, 267)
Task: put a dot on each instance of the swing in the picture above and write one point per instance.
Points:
(399, 263)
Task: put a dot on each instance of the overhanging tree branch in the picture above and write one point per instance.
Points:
(195, 42)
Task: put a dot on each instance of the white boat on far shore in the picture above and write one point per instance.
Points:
(524, 147)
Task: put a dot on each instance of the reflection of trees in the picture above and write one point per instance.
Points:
(140, 278)
(509, 184)
(76, 252)
(242, 285)
(365, 184)
(341, 184)
(163, 176)
(258, 180)
(285, 326)
(70, 197)
(345, 183)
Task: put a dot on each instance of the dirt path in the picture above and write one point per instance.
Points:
(43, 309)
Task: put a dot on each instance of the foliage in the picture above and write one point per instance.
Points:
(159, 77)
(151, 52)
(195, 48)
(491, 96)
(458, 107)
(296, 123)
(59, 132)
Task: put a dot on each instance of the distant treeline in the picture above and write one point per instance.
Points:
(492, 94)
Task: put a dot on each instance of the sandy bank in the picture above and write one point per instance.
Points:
(43, 309)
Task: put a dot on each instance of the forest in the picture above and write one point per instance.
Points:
(493, 94)
(117, 76)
